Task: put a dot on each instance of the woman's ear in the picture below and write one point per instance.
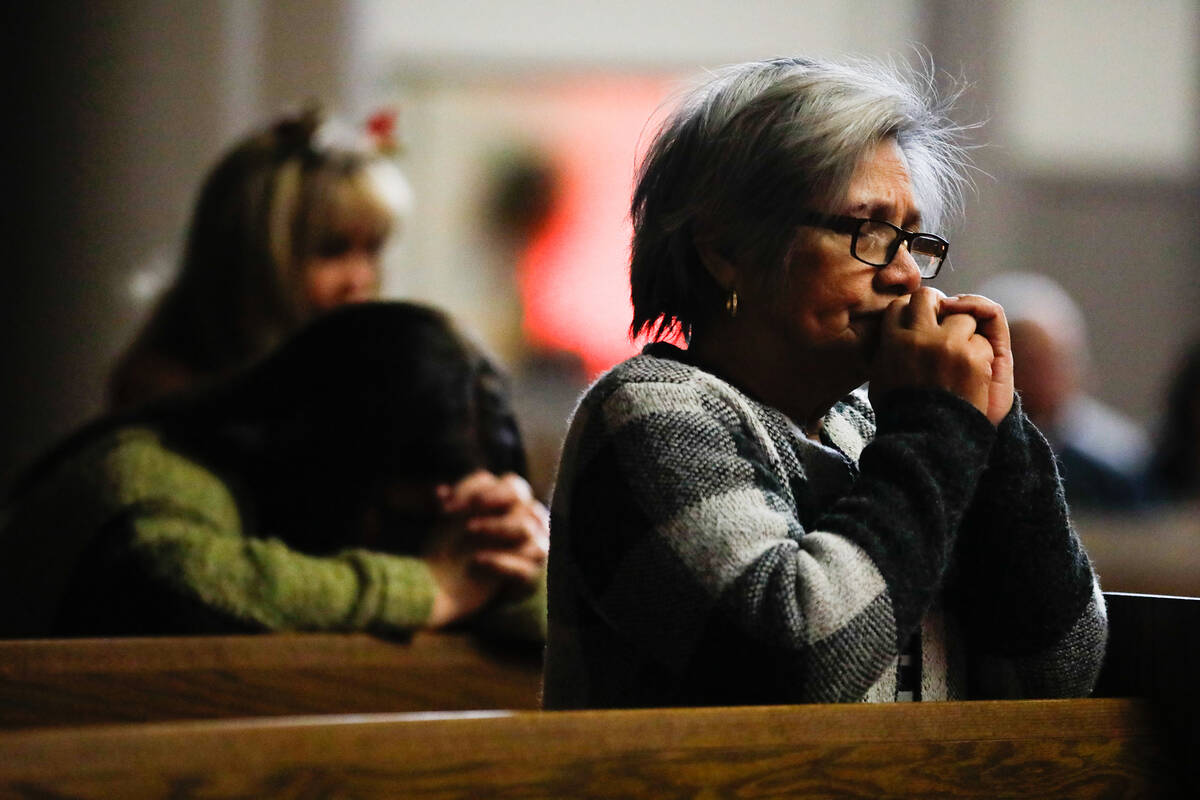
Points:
(717, 265)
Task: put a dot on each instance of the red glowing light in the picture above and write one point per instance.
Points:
(574, 274)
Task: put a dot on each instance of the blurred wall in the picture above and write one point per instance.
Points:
(108, 149)
(1089, 169)
(624, 35)
(121, 105)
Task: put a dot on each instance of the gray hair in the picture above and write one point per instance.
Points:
(749, 150)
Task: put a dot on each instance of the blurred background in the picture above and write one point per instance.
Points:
(520, 122)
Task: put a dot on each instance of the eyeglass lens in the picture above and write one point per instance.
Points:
(877, 240)
(928, 253)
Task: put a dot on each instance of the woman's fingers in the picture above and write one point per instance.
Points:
(960, 325)
(975, 304)
(506, 528)
(495, 536)
(482, 492)
(992, 324)
(895, 313)
(518, 528)
(454, 497)
(501, 515)
(981, 352)
(505, 564)
(988, 313)
(922, 310)
(989, 318)
(926, 341)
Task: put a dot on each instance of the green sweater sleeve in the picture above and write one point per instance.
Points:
(185, 532)
(521, 620)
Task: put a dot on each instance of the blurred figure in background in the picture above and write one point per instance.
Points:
(1102, 454)
(289, 224)
(1175, 467)
(368, 475)
(523, 196)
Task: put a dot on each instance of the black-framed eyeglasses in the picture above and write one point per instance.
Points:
(875, 242)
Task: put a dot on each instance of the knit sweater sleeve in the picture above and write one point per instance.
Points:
(1030, 601)
(676, 522)
(180, 525)
(522, 620)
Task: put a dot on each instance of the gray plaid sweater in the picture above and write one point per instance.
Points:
(704, 552)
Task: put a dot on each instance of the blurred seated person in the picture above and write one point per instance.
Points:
(736, 521)
(366, 476)
(1175, 466)
(290, 223)
(1101, 453)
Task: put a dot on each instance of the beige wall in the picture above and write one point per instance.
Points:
(1091, 159)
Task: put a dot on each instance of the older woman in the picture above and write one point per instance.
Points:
(738, 522)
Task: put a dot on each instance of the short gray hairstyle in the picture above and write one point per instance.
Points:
(756, 145)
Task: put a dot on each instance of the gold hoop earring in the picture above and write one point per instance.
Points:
(731, 303)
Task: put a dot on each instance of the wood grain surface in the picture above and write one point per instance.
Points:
(81, 681)
(1035, 749)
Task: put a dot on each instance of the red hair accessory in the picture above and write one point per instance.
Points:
(381, 127)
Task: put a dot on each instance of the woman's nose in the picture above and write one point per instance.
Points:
(900, 276)
(361, 270)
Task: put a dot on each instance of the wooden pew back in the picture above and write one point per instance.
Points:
(81, 681)
(1017, 749)
(1079, 748)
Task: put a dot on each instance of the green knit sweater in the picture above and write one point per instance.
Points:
(129, 536)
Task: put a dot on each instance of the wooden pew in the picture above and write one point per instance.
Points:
(1017, 749)
(78, 681)
(1099, 747)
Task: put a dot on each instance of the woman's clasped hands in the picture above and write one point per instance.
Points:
(493, 541)
(960, 344)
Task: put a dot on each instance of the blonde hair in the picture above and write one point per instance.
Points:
(264, 209)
